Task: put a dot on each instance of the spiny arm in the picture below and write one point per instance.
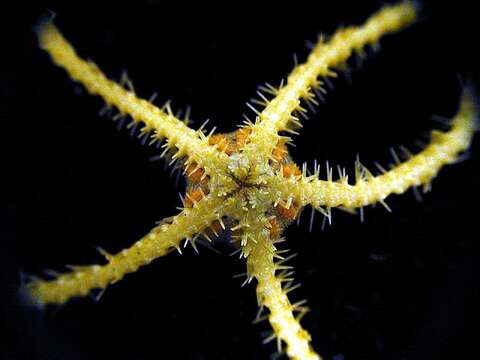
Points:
(277, 114)
(160, 241)
(270, 294)
(419, 169)
(187, 142)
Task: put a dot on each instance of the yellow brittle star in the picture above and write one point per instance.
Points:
(245, 182)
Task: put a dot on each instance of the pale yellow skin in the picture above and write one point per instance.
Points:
(247, 188)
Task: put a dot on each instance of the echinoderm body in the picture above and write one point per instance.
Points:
(246, 182)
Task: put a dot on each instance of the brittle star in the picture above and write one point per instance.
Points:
(245, 182)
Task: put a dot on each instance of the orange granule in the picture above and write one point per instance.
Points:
(275, 228)
(291, 169)
(287, 213)
(216, 227)
(242, 136)
(279, 152)
(195, 174)
(223, 143)
(193, 197)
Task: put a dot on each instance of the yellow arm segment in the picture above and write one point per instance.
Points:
(420, 169)
(187, 141)
(278, 112)
(270, 294)
(160, 241)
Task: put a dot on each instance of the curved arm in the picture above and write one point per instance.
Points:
(187, 141)
(158, 242)
(420, 169)
(277, 115)
(260, 252)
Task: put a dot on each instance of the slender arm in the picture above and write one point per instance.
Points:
(158, 242)
(187, 142)
(270, 293)
(419, 169)
(277, 114)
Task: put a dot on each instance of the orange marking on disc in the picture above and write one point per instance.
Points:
(280, 152)
(288, 213)
(275, 228)
(291, 169)
(193, 196)
(216, 227)
(223, 143)
(214, 230)
(195, 174)
(242, 136)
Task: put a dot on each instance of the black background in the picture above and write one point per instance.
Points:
(399, 286)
